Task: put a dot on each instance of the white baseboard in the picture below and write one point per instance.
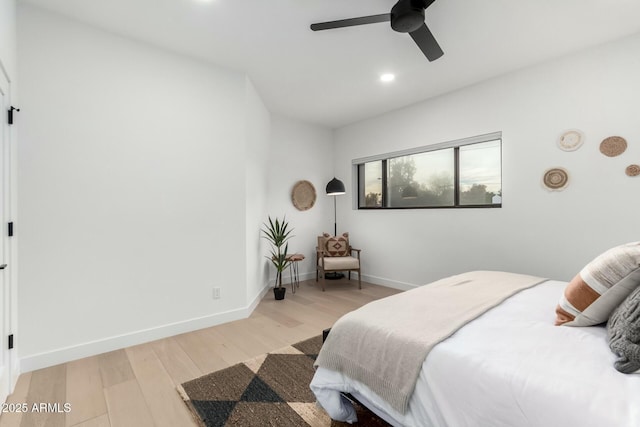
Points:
(257, 299)
(403, 286)
(67, 354)
(92, 348)
(375, 280)
(286, 279)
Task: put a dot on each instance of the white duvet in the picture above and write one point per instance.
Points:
(511, 367)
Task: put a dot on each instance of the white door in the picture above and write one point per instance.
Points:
(5, 282)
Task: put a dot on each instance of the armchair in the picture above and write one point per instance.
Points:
(334, 253)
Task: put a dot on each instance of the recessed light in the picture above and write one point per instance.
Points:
(387, 77)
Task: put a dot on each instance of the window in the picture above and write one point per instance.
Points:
(464, 173)
(370, 181)
(480, 173)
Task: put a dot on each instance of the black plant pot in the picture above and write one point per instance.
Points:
(278, 293)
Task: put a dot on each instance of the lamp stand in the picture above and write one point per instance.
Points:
(335, 217)
(334, 275)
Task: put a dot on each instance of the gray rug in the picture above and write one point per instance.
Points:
(269, 390)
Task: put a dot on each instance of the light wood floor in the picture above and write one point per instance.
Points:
(136, 386)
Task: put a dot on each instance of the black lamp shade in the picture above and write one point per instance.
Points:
(335, 187)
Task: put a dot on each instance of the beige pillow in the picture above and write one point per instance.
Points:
(600, 287)
(336, 245)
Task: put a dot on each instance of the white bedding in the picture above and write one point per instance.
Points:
(510, 367)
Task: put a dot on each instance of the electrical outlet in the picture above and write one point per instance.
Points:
(216, 293)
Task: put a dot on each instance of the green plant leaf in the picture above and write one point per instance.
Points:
(278, 233)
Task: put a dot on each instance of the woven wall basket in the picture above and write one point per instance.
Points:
(555, 179)
(571, 140)
(632, 170)
(613, 146)
(303, 195)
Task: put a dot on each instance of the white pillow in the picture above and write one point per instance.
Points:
(600, 287)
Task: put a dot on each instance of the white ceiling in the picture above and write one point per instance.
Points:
(331, 77)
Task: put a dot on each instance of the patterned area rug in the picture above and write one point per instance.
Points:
(269, 390)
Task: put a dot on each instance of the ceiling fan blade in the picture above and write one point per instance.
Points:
(372, 19)
(427, 43)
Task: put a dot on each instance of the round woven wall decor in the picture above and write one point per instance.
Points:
(632, 170)
(613, 146)
(303, 195)
(571, 140)
(555, 179)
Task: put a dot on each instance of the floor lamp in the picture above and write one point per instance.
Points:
(335, 187)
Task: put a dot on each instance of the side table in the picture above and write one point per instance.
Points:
(293, 270)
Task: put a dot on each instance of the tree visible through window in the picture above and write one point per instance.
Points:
(370, 179)
(424, 179)
(459, 176)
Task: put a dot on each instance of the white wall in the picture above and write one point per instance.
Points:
(132, 190)
(258, 136)
(301, 151)
(8, 36)
(536, 231)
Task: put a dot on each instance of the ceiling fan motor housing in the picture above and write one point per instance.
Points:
(408, 15)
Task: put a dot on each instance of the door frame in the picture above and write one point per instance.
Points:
(8, 206)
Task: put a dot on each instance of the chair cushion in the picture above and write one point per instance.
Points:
(340, 263)
(336, 246)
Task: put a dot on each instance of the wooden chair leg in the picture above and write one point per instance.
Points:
(349, 274)
(324, 273)
(359, 281)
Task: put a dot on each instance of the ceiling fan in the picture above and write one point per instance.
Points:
(407, 16)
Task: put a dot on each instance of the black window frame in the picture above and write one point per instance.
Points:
(456, 145)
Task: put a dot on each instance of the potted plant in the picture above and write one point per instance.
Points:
(278, 233)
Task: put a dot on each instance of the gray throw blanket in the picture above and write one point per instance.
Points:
(623, 329)
(384, 343)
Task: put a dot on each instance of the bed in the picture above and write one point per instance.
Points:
(510, 367)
